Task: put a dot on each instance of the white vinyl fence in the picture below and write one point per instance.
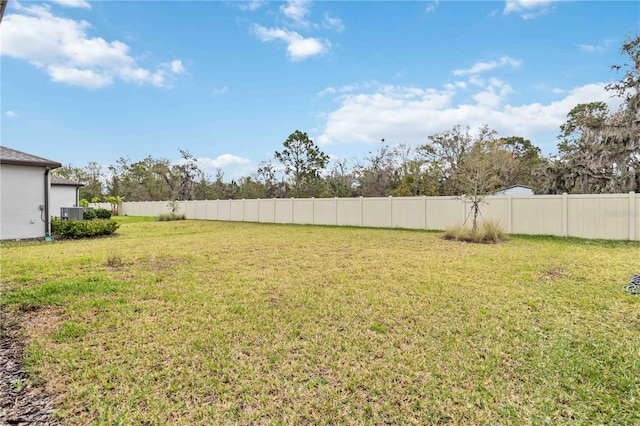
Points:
(607, 216)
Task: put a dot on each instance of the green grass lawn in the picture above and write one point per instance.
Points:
(195, 322)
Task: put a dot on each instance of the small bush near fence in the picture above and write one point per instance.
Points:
(170, 216)
(103, 213)
(74, 229)
(91, 214)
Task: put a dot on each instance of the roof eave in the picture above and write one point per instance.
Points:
(67, 184)
(51, 164)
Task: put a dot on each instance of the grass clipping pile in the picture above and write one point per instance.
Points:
(488, 232)
(21, 401)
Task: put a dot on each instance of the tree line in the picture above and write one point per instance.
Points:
(598, 152)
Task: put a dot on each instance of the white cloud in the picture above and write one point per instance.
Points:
(528, 9)
(63, 48)
(600, 47)
(251, 6)
(232, 166)
(410, 114)
(332, 23)
(78, 77)
(296, 19)
(224, 160)
(432, 6)
(219, 91)
(298, 47)
(587, 47)
(83, 4)
(177, 67)
(491, 97)
(12, 114)
(297, 11)
(480, 67)
(368, 117)
(348, 88)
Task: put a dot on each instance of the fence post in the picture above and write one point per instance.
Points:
(390, 211)
(632, 216)
(336, 207)
(509, 213)
(361, 211)
(565, 214)
(424, 217)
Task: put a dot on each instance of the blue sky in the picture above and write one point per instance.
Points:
(228, 81)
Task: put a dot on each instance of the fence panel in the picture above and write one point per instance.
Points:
(251, 210)
(443, 212)
(324, 211)
(201, 209)
(189, 209)
(536, 215)
(236, 210)
(303, 211)
(495, 209)
(408, 212)
(598, 216)
(349, 212)
(224, 210)
(282, 209)
(376, 212)
(212, 210)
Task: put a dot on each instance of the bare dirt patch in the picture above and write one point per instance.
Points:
(22, 400)
(553, 273)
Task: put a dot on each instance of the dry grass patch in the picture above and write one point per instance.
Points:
(234, 323)
(486, 232)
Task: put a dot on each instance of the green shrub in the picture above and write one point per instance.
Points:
(74, 229)
(89, 214)
(170, 216)
(487, 232)
(103, 213)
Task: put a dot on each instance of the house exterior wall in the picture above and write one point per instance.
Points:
(21, 194)
(62, 196)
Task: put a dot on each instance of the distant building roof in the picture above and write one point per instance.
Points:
(59, 180)
(515, 190)
(13, 156)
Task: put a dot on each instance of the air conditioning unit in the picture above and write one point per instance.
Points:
(68, 213)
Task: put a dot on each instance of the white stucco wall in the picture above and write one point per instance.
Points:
(21, 194)
(61, 196)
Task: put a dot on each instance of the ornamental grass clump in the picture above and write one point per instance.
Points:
(488, 232)
(165, 217)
